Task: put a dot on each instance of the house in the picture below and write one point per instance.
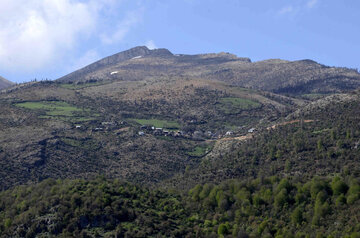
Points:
(229, 133)
(77, 126)
(108, 123)
(141, 133)
(144, 127)
(158, 131)
(251, 130)
(209, 134)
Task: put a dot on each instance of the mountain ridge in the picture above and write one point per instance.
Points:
(4, 83)
(274, 75)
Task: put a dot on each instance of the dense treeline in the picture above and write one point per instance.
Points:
(268, 207)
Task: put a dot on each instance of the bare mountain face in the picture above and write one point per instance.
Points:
(279, 76)
(4, 83)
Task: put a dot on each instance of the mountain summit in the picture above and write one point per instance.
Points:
(133, 53)
(275, 75)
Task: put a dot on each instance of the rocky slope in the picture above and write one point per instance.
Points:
(279, 76)
(4, 83)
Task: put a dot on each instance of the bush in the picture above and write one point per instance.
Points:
(281, 198)
(223, 229)
(297, 215)
(338, 186)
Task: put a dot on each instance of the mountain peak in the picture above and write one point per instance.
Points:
(136, 52)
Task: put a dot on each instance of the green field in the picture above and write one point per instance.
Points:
(58, 110)
(80, 86)
(199, 151)
(87, 144)
(232, 105)
(313, 96)
(159, 123)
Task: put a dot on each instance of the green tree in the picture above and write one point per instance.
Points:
(223, 229)
(281, 199)
(297, 215)
(338, 186)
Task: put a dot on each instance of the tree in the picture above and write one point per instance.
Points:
(297, 215)
(223, 229)
(338, 186)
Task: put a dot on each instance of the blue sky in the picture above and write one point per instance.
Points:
(50, 38)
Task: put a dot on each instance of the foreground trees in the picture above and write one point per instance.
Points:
(266, 207)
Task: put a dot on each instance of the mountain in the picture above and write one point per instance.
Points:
(4, 83)
(91, 71)
(62, 130)
(279, 76)
(150, 143)
(145, 115)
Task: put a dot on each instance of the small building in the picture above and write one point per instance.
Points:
(141, 133)
(144, 127)
(77, 126)
(108, 123)
(229, 133)
(251, 130)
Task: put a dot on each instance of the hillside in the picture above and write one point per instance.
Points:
(4, 83)
(145, 115)
(319, 139)
(301, 77)
(144, 130)
(207, 145)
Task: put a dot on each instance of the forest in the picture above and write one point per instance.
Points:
(263, 207)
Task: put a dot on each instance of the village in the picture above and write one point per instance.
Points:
(143, 130)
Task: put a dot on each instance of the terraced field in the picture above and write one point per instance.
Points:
(59, 110)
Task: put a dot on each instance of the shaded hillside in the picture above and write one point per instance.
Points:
(320, 139)
(4, 83)
(280, 76)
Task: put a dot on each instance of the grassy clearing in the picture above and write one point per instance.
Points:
(80, 86)
(321, 131)
(313, 96)
(232, 105)
(88, 144)
(58, 110)
(199, 151)
(240, 103)
(159, 123)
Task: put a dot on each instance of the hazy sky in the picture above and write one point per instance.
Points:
(50, 38)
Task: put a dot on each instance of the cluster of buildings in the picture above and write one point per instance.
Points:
(148, 129)
(196, 135)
